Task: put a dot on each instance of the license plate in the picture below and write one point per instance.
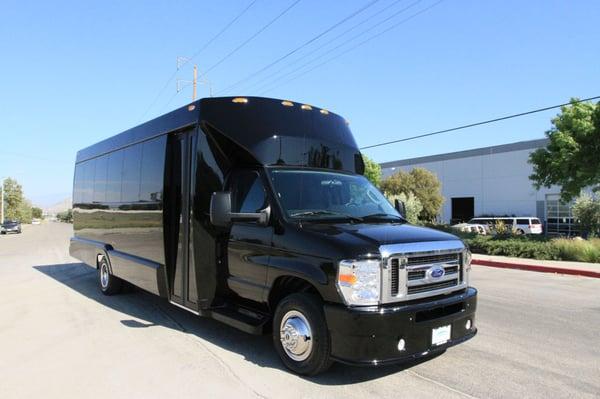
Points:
(440, 335)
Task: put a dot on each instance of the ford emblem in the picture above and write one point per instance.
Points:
(436, 272)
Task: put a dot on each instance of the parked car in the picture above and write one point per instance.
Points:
(36, 221)
(11, 226)
(518, 224)
(471, 228)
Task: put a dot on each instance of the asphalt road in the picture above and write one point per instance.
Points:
(539, 337)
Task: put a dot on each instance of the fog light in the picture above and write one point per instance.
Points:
(401, 344)
(468, 324)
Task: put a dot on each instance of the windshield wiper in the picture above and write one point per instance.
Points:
(324, 212)
(382, 216)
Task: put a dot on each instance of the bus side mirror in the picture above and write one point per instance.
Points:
(220, 209)
(221, 215)
(400, 207)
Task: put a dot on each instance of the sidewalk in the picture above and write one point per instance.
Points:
(544, 266)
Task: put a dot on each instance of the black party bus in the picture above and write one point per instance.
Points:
(255, 212)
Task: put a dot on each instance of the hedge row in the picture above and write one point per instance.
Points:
(533, 247)
(515, 247)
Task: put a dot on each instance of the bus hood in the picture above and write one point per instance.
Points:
(360, 239)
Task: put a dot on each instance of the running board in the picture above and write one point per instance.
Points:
(184, 308)
(240, 318)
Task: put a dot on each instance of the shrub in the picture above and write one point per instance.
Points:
(412, 205)
(586, 210)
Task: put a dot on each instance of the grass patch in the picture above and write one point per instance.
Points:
(578, 250)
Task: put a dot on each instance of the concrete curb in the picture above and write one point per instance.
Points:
(535, 268)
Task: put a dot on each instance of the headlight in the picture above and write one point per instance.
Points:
(466, 261)
(359, 281)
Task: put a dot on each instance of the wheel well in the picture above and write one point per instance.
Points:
(98, 259)
(286, 285)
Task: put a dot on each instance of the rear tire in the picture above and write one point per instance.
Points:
(300, 334)
(109, 283)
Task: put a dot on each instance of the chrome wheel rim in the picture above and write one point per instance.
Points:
(296, 336)
(104, 275)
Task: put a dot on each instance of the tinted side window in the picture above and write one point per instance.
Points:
(88, 181)
(507, 221)
(100, 179)
(114, 177)
(78, 184)
(132, 167)
(535, 221)
(522, 221)
(247, 192)
(153, 163)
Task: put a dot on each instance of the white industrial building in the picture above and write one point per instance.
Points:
(491, 181)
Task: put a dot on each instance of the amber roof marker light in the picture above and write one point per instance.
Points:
(287, 103)
(240, 100)
(324, 112)
(306, 107)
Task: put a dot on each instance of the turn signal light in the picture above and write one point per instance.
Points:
(349, 279)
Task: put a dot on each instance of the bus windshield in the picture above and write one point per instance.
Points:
(320, 195)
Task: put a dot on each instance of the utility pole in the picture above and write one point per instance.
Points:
(182, 83)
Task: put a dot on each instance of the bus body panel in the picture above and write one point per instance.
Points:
(142, 200)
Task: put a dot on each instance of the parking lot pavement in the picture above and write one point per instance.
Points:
(59, 337)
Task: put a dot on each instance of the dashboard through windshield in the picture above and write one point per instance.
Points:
(308, 194)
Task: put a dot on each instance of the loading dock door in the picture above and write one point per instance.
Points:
(463, 209)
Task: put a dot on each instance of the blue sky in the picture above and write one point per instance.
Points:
(73, 73)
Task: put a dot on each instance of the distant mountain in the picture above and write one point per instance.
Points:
(59, 206)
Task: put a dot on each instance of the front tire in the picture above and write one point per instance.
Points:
(109, 283)
(300, 334)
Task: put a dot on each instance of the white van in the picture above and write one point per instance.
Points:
(519, 224)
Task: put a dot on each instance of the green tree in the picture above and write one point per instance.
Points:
(16, 207)
(421, 182)
(36, 212)
(66, 216)
(586, 210)
(372, 170)
(571, 159)
(412, 206)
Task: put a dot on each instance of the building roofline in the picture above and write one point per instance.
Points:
(496, 149)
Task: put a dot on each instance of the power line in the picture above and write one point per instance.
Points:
(480, 123)
(209, 42)
(239, 46)
(251, 37)
(329, 51)
(250, 76)
(357, 45)
(266, 78)
(222, 31)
